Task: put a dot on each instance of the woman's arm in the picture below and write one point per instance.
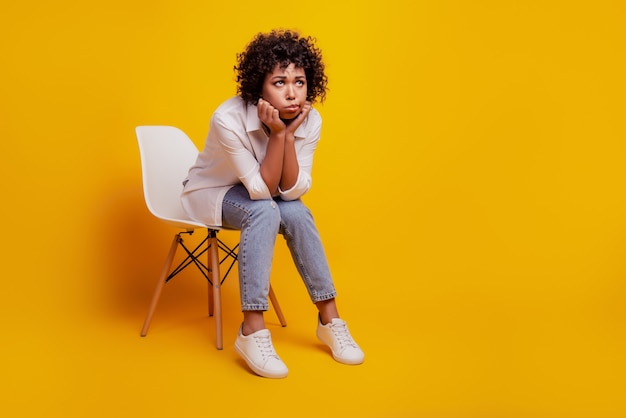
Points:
(291, 167)
(229, 135)
(280, 166)
(272, 165)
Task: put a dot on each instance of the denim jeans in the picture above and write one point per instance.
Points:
(260, 221)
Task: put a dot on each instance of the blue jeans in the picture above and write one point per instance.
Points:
(260, 221)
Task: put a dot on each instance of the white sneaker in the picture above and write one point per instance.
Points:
(335, 334)
(257, 350)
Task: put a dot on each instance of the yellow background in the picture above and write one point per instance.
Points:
(469, 187)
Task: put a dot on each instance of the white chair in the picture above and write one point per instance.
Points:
(166, 155)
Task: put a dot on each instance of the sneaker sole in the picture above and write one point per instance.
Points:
(258, 370)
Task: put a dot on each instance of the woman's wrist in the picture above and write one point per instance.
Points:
(277, 136)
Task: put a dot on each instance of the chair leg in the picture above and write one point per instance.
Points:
(214, 265)
(210, 296)
(279, 312)
(157, 292)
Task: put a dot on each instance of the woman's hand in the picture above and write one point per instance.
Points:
(293, 124)
(270, 116)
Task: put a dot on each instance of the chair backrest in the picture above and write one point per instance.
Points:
(166, 155)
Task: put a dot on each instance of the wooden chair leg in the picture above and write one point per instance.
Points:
(214, 264)
(210, 295)
(279, 312)
(157, 292)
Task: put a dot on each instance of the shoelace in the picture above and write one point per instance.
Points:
(265, 346)
(342, 335)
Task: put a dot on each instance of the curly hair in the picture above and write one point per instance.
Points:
(279, 47)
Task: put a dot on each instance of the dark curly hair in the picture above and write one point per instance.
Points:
(279, 47)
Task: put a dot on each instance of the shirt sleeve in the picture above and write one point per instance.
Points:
(241, 159)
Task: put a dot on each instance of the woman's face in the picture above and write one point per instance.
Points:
(285, 89)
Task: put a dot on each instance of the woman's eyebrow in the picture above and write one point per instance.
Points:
(284, 76)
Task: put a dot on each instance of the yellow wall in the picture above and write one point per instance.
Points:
(479, 144)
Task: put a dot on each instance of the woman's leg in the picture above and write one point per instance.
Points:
(328, 310)
(258, 221)
(303, 240)
(298, 227)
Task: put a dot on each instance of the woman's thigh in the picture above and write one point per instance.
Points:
(240, 212)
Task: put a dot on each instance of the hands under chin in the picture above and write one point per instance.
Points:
(270, 116)
(293, 124)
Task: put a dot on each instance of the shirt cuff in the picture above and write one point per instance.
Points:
(301, 187)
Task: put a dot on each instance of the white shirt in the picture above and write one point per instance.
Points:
(233, 152)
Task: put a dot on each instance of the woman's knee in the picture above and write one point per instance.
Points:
(239, 211)
(265, 212)
(294, 211)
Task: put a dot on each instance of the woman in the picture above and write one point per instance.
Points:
(254, 168)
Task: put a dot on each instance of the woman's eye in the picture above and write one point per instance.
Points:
(279, 83)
